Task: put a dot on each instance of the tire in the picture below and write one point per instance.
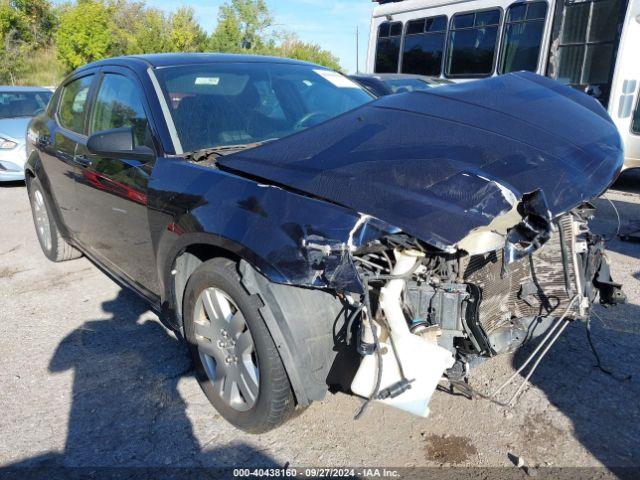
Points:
(236, 361)
(53, 245)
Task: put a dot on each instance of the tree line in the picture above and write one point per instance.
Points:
(40, 42)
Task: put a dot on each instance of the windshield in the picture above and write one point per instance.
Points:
(224, 104)
(23, 104)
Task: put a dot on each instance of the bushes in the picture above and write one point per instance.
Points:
(40, 43)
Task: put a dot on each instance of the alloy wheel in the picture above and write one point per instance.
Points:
(41, 217)
(226, 349)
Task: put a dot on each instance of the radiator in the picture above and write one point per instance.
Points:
(541, 276)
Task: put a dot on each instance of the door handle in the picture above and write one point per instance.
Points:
(82, 161)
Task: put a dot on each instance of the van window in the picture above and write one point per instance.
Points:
(584, 44)
(523, 36)
(635, 123)
(472, 43)
(388, 47)
(73, 104)
(424, 46)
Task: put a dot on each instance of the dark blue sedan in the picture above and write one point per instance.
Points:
(303, 237)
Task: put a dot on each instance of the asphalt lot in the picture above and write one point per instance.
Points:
(89, 377)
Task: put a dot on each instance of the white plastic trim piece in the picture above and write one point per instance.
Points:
(177, 146)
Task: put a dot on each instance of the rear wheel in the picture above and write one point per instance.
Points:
(53, 245)
(237, 362)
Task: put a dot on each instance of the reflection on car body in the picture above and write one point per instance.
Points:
(303, 236)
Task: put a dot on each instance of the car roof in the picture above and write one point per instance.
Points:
(13, 89)
(162, 60)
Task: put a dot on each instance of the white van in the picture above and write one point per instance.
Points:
(593, 45)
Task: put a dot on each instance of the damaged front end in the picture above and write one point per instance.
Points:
(426, 313)
(474, 237)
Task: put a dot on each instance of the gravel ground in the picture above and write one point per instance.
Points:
(90, 377)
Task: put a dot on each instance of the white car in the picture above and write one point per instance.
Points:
(17, 106)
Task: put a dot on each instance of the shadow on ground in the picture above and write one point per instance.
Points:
(604, 409)
(12, 184)
(126, 412)
(628, 181)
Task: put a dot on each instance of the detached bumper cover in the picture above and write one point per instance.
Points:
(441, 163)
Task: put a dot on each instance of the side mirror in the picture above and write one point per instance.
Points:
(118, 143)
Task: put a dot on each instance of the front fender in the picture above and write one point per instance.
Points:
(290, 238)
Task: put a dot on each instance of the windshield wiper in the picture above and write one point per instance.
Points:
(221, 151)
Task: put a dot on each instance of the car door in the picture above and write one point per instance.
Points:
(113, 189)
(67, 131)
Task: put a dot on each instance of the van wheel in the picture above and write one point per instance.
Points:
(53, 245)
(236, 360)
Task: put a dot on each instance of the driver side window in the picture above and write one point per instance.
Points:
(118, 105)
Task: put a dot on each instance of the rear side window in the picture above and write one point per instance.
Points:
(424, 46)
(73, 104)
(388, 47)
(118, 105)
(523, 36)
(472, 43)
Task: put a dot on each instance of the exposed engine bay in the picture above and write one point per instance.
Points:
(454, 224)
(427, 313)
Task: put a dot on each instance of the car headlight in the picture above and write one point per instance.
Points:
(6, 144)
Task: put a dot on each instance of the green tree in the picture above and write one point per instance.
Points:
(152, 34)
(242, 26)
(185, 33)
(126, 22)
(84, 34)
(137, 29)
(12, 54)
(293, 47)
(12, 21)
(39, 20)
(25, 27)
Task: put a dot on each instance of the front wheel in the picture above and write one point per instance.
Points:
(236, 360)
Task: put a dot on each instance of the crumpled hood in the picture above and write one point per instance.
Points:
(440, 163)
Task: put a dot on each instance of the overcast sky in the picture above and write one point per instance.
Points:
(330, 24)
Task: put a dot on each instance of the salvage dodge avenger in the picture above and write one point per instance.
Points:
(303, 236)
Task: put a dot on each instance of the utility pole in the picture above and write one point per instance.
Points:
(357, 50)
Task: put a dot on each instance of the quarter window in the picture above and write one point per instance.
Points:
(472, 43)
(118, 105)
(424, 46)
(388, 47)
(522, 37)
(73, 104)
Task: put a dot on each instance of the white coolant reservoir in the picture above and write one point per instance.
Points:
(423, 362)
